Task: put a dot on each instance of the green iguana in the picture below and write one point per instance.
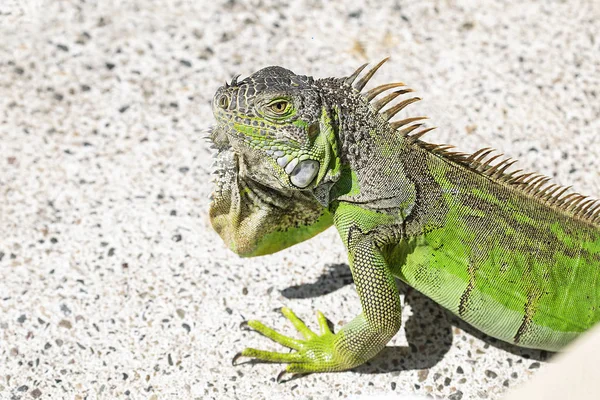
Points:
(514, 256)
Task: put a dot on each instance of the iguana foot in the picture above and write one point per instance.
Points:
(317, 353)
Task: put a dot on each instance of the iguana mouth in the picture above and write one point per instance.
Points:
(300, 169)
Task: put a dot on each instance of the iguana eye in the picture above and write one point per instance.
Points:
(279, 107)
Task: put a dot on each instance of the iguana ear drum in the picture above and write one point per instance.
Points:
(304, 173)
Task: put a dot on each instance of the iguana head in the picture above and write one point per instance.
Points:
(279, 119)
(279, 139)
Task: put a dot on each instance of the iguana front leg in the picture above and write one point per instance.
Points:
(357, 341)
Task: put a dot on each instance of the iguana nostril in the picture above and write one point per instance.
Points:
(223, 101)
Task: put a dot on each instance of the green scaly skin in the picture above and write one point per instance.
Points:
(512, 256)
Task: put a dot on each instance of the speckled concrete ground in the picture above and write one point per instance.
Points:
(113, 285)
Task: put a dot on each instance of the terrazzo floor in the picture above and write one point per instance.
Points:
(112, 283)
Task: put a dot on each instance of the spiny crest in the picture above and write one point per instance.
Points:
(536, 185)
(404, 126)
(482, 161)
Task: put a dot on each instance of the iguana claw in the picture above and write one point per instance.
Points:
(244, 326)
(291, 378)
(280, 376)
(236, 357)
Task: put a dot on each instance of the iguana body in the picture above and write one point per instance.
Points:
(513, 256)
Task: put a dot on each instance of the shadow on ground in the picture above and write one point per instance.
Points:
(428, 330)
